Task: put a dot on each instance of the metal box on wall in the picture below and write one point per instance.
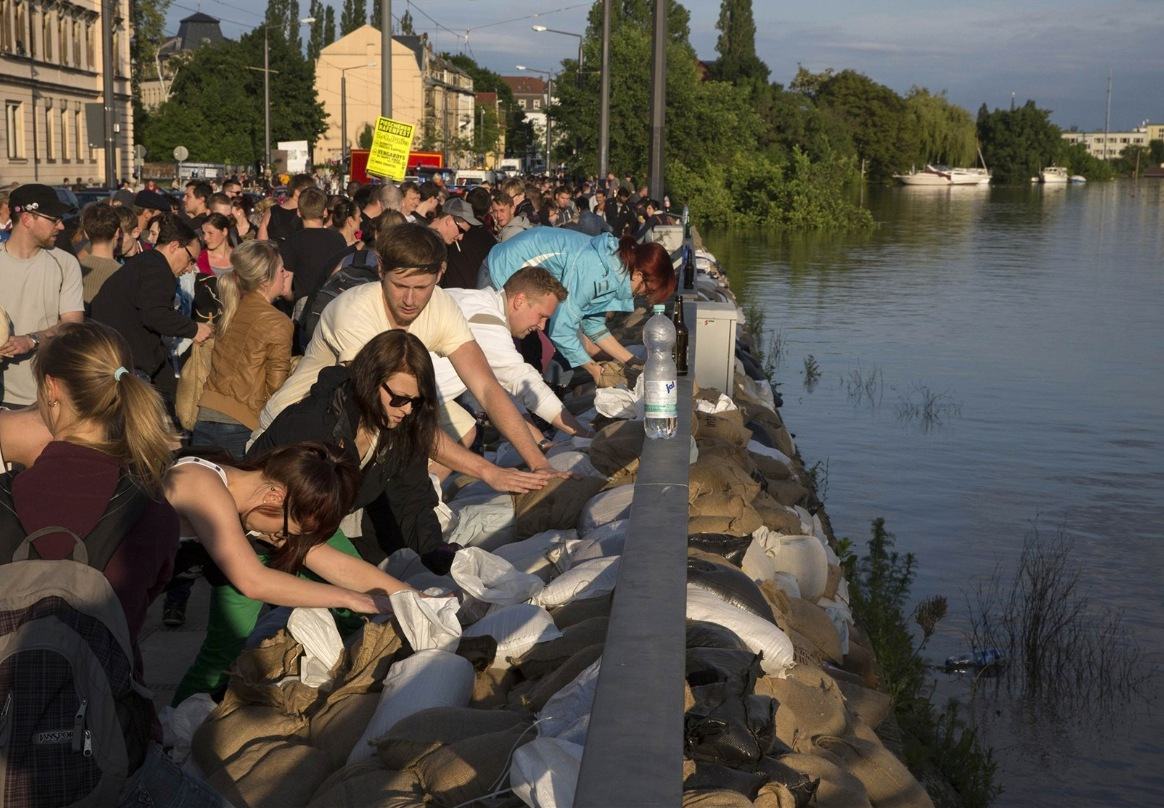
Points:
(712, 329)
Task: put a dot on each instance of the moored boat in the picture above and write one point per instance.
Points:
(941, 176)
(1053, 175)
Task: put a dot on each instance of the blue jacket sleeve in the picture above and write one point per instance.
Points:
(563, 333)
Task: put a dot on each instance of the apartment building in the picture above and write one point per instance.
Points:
(50, 68)
(1109, 146)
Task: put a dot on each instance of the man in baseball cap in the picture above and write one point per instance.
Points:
(40, 286)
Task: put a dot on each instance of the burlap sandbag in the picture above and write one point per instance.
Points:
(812, 623)
(546, 657)
(366, 662)
(814, 698)
(576, 611)
(368, 784)
(838, 788)
(715, 799)
(774, 795)
(615, 449)
(871, 706)
(787, 492)
(268, 674)
(714, 449)
(717, 475)
(886, 779)
(722, 514)
(491, 688)
(271, 774)
(773, 432)
(536, 697)
(339, 724)
(469, 769)
(726, 426)
(770, 467)
(554, 506)
(424, 732)
(614, 374)
(234, 726)
(861, 661)
(775, 516)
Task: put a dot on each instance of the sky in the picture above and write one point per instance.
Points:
(1057, 52)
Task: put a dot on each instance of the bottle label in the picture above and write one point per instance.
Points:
(661, 399)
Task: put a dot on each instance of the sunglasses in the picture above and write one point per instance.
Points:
(54, 219)
(397, 400)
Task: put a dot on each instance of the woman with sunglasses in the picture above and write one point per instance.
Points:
(293, 498)
(382, 410)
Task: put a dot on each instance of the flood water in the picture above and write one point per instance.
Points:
(1032, 321)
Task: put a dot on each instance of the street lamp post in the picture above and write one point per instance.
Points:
(549, 95)
(267, 71)
(343, 71)
(543, 29)
(604, 100)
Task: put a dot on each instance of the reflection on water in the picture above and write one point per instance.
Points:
(1038, 314)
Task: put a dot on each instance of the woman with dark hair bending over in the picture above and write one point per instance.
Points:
(382, 409)
(293, 497)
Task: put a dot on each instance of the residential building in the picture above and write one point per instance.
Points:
(431, 94)
(50, 68)
(1109, 146)
(532, 95)
(193, 31)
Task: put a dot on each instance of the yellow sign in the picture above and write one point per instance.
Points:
(390, 146)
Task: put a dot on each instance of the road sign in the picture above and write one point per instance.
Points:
(390, 146)
(181, 153)
(139, 151)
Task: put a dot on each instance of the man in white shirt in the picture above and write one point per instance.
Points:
(40, 286)
(412, 259)
(523, 306)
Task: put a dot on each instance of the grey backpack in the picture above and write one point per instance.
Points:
(74, 723)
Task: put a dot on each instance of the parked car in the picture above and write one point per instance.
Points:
(86, 196)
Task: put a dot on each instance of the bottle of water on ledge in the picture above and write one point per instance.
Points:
(660, 379)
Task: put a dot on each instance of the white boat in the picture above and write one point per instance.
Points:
(1053, 175)
(1077, 179)
(941, 176)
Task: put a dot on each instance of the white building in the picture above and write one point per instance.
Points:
(1109, 146)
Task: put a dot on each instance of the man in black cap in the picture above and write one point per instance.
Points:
(148, 204)
(40, 286)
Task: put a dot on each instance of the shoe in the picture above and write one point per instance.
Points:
(174, 615)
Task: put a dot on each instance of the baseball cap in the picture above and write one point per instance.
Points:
(152, 200)
(35, 198)
(462, 210)
(123, 197)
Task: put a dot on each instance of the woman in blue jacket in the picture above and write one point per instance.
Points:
(601, 274)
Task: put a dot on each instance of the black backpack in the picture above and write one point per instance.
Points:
(74, 722)
(362, 266)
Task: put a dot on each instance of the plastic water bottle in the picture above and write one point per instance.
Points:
(660, 384)
(986, 658)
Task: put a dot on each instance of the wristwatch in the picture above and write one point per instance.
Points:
(35, 340)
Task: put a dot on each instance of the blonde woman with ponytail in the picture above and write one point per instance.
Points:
(252, 350)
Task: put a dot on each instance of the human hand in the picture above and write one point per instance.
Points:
(516, 482)
(17, 346)
(205, 331)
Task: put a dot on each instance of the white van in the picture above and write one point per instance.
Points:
(473, 176)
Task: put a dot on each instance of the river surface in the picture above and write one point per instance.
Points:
(1032, 322)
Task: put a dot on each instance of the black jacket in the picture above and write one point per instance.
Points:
(138, 301)
(465, 258)
(329, 414)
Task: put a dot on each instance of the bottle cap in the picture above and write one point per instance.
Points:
(658, 308)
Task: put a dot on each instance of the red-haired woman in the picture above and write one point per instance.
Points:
(601, 274)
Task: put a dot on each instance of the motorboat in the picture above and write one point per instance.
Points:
(1077, 179)
(1053, 175)
(941, 176)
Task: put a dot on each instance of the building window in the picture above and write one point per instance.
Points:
(521, 103)
(537, 103)
(78, 128)
(14, 129)
(50, 134)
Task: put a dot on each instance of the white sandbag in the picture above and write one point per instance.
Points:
(575, 462)
(545, 773)
(760, 635)
(757, 564)
(492, 579)
(314, 629)
(618, 402)
(787, 583)
(722, 404)
(427, 623)
(603, 542)
(803, 556)
(757, 389)
(805, 519)
(506, 456)
(516, 628)
(482, 522)
(541, 554)
(179, 724)
(567, 714)
(425, 679)
(604, 508)
(589, 579)
(842, 618)
(755, 447)
(405, 565)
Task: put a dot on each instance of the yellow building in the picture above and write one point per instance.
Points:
(50, 68)
(427, 92)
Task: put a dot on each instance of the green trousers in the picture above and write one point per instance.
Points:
(232, 619)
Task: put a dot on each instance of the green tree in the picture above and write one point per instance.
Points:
(315, 41)
(736, 46)
(149, 22)
(406, 24)
(283, 19)
(365, 137)
(328, 26)
(882, 132)
(1079, 161)
(519, 133)
(374, 15)
(1018, 143)
(354, 14)
(1156, 152)
(945, 132)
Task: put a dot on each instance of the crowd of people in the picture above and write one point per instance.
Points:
(263, 392)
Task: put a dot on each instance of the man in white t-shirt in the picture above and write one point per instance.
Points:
(412, 259)
(496, 318)
(40, 286)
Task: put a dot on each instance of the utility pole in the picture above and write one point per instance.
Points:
(658, 99)
(266, 97)
(604, 94)
(1107, 116)
(108, 64)
(386, 49)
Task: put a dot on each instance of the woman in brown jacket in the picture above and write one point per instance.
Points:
(252, 353)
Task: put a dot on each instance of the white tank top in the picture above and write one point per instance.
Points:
(198, 461)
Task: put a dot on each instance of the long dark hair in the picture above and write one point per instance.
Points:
(321, 484)
(389, 352)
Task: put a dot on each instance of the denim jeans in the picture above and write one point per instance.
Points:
(230, 437)
(161, 783)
